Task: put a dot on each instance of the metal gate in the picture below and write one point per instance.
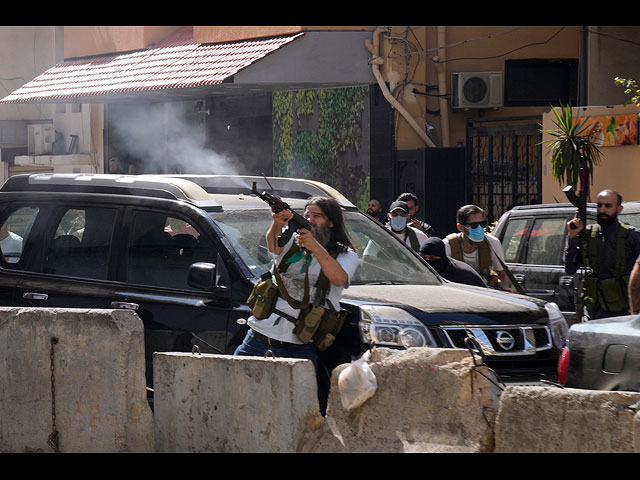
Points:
(504, 164)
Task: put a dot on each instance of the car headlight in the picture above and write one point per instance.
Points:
(384, 325)
(557, 325)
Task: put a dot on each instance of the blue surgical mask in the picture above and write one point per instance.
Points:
(476, 234)
(398, 223)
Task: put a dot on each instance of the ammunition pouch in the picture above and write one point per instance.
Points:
(308, 322)
(612, 294)
(609, 294)
(262, 298)
(315, 322)
(330, 326)
(320, 325)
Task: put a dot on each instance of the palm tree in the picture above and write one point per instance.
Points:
(573, 157)
(572, 148)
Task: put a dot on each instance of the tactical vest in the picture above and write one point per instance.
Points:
(485, 265)
(316, 321)
(413, 239)
(609, 294)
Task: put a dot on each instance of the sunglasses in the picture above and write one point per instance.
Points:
(483, 224)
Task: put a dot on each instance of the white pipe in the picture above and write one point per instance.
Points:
(375, 63)
(442, 86)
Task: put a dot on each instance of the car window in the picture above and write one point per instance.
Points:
(546, 241)
(382, 258)
(632, 219)
(81, 242)
(161, 248)
(14, 232)
(514, 235)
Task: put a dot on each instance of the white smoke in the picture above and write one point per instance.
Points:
(167, 138)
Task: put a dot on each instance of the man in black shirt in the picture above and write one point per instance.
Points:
(609, 249)
(433, 251)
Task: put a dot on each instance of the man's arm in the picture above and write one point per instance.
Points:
(571, 262)
(330, 266)
(280, 219)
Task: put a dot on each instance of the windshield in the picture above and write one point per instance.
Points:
(382, 259)
(632, 219)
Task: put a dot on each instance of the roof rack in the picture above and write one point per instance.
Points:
(281, 186)
(159, 186)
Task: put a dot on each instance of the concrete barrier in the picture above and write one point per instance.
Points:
(96, 388)
(222, 403)
(552, 419)
(428, 400)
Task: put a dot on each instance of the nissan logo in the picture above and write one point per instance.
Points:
(505, 339)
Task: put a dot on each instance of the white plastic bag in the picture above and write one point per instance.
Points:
(357, 383)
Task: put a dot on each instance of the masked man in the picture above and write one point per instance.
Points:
(325, 249)
(609, 250)
(398, 217)
(477, 249)
(433, 251)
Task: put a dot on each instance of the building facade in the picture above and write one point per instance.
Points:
(451, 113)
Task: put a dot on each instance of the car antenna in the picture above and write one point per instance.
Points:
(268, 183)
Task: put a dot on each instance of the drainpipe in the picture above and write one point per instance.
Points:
(375, 62)
(442, 86)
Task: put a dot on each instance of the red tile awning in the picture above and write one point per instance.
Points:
(174, 65)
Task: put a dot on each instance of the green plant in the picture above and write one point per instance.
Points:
(572, 148)
(630, 88)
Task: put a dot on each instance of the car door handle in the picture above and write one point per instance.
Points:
(519, 277)
(566, 280)
(125, 305)
(35, 296)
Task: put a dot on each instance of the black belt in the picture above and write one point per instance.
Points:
(271, 341)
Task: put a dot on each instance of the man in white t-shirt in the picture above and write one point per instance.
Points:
(479, 250)
(328, 233)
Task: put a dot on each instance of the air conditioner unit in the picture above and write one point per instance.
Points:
(476, 90)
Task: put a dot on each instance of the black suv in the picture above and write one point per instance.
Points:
(533, 238)
(184, 253)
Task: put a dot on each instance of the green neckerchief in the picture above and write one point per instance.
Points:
(299, 255)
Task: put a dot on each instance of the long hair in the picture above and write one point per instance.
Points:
(331, 208)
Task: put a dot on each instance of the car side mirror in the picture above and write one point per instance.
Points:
(210, 277)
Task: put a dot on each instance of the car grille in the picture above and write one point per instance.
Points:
(502, 339)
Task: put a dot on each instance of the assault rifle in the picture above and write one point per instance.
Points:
(278, 205)
(580, 202)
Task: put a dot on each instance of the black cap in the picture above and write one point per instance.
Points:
(399, 204)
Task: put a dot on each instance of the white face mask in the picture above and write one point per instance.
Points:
(398, 223)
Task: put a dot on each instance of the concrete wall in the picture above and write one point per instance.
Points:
(427, 400)
(222, 403)
(555, 420)
(98, 380)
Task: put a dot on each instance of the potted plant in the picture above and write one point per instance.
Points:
(573, 149)
(574, 154)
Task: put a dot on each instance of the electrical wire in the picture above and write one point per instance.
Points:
(613, 37)
(508, 52)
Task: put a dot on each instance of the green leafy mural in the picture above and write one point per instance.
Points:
(317, 135)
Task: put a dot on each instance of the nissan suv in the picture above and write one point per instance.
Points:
(185, 251)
